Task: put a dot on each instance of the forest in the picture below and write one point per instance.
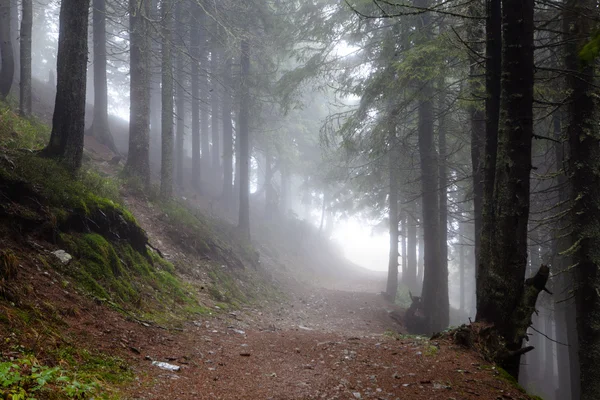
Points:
(463, 130)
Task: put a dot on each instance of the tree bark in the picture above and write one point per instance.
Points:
(7, 68)
(584, 141)
(244, 138)
(25, 54)
(198, 18)
(138, 159)
(68, 122)
(155, 74)
(411, 250)
(503, 299)
(100, 127)
(443, 193)
(166, 173)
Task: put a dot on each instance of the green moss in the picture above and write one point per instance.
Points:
(504, 375)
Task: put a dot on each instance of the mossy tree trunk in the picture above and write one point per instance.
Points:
(503, 298)
(244, 139)
(25, 54)
(584, 166)
(166, 181)
(100, 127)
(138, 159)
(68, 121)
(7, 68)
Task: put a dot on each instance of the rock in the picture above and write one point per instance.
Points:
(166, 366)
(245, 354)
(63, 256)
(304, 328)
(239, 331)
(357, 395)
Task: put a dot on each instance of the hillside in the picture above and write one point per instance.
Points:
(100, 281)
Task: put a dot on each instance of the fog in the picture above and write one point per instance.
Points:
(351, 109)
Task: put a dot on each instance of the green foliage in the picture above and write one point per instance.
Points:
(26, 378)
(403, 296)
(591, 50)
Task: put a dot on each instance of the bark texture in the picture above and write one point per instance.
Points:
(227, 192)
(197, 19)
(503, 299)
(68, 122)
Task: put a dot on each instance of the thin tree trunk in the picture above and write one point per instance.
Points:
(195, 40)
(461, 265)
(392, 278)
(138, 160)
(100, 127)
(155, 76)
(214, 101)
(411, 249)
(270, 202)
(443, 193)
(244, 138)
(403, 246)
(166, 182)
(7, 68)
(205, 160)
(227, 192)
(25, 54)
(68, 122)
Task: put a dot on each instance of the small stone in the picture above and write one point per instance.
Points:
(245, 354)
(63, 256)
(357, 395)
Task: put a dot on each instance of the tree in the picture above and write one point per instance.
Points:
(25, 54)
(227, 192)
(68, 122)
(166, 172)
(244, 139)
(214, 105)
(584, 140)
(7, 68)
(138, 159)
(502, 297)
(181, 95)
(100, 127)
(196, 37)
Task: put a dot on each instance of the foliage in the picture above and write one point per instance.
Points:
(25, 379)
(17, 132)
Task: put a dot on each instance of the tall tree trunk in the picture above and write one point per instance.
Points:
(244, 138)
(436, 305)
(14, 37)
(166, 175)
(227, 192)
(477, 114)
(493, 72)
(205, 160)
(443, 191)
(461, 264)
(421, 260)
(7, 69)
(25, 54)
(138, 159)
(155, 76)
(198, 18)
(404, 245)
(503, 299)
(100, 127)
(392, 278)
(68, 122)
(214, 106)
(270, 201)
(584, 141)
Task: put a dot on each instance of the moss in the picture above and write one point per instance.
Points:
(504, 375)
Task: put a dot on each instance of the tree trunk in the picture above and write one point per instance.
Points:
(100, 127)
(503, 299)
(25, 54)
(205, 160)
(403, 246)
(584, 140)
(411, 250)
(421, 261)
(392, 278)
(7, 69)
(244, 138)
(214, 107)
(198, 18)
(461, 265)
(270, 201)
(155, 75)
(14, 38)
(477, 117)
(138, 159)
(493, 72)
(68, 122)
(227, 192)
(443, 193)
(166, 173)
